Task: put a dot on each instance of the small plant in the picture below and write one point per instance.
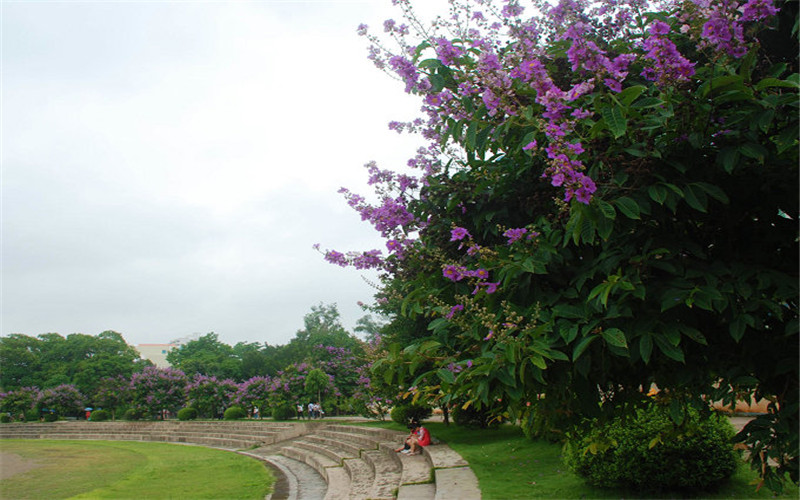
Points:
(404, 414)
(649, 452)
(50, 416)
(188, 413)
(5, 418)
(100, 416)
(284, 412)
(235, 413)
(133, 414)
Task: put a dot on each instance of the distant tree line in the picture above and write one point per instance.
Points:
(322, 362)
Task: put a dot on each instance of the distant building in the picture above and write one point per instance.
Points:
(157, 353)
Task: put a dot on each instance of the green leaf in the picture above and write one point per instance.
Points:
(775, 82)
(616, 122)
(605, 208)
(646, 347)
(713, 191)
(446, 376)
(628, 207)
(676, 411)
(669, 350)
(696, 198)
(729, 158)
(658, 193)
(615, 337)
(754, 151)
(628, 95)
(647, 102)
(582, 346)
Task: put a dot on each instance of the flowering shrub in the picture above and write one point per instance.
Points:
(606, 200)
(209, 395)
(20, 401)
(156, 389)
(64, 400)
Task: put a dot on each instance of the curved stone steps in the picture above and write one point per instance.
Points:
(314, 460)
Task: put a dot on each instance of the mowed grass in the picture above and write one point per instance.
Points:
(510, 466)
(132, 470)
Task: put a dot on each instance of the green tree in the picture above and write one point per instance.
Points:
(206, 356)
(317, 382)
(617, 209)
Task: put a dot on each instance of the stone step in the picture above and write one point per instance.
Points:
(417, 492)
(361, 478)
(458, 483)
(386, 472)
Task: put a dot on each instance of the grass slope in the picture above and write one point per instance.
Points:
(140, 470)
(510, 466)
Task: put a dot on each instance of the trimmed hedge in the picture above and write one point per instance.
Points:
(235, 413)
(100, 416)
(188, 413)
(405, 414)
(649, 452)
(284, 412)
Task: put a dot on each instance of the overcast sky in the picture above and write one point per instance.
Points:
(167, 166)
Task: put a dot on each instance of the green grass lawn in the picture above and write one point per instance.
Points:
(510, 466)
(132, 470)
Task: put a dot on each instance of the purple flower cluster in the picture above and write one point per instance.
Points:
(666, 63)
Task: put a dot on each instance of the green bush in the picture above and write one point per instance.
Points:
(31, 416)
(133, 414)
(5, 418)
(404, 414)
(235, 413)
(50, 417)
(473, 417)
(187, 413)
(284, 412)
(649, 452)
(100, 416)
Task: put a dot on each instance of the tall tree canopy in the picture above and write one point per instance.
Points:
(607, 201)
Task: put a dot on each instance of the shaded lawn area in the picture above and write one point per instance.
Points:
(122, 469)
(510, 466)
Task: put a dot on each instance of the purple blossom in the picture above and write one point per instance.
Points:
(515, 235)
(459, 233)
(755, 10)
(530, 145)
(453, 310)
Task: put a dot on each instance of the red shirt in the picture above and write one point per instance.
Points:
(423, 436)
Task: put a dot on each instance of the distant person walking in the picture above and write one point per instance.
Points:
(299, 412)
(310, 411)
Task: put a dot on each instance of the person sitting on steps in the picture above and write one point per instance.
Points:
(418, 438)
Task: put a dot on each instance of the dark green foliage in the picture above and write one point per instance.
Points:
(100, 416)
(235, 413)
(404, 414)
(647, 451)
(284, 412)
(475, 417)
(133, 414)
(187, 413)
(31, 416)
(5, 418)
(50, 417)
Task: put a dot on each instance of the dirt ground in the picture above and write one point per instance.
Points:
(11, 465)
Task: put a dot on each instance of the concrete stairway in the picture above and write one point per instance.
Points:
(312, 460)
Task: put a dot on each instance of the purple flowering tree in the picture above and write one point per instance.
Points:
(254, 393)
(209, 395)
(112, 393)
(64, 400)
(606, 200)
(20, 401)
(155, 389)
